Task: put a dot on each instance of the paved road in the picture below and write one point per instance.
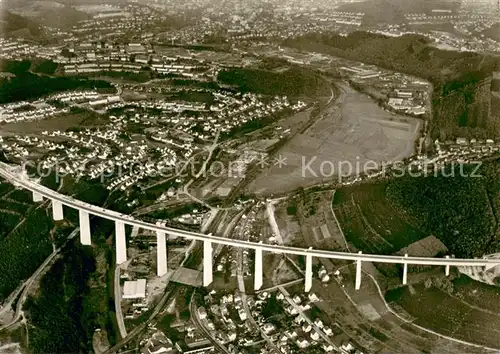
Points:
(241, 285)
(201, 326)
(118, 304)
(307, 319)
(170, 293)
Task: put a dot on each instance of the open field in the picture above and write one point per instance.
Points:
(369, 221)
(363, 317)
(371, 224)
(437, 310)
(476, 293)
(355, 130)
(306, 220)
(5, 188)
(61, 122)
(391, 331)
(288, 225)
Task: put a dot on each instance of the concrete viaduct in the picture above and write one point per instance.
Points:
(19, 179)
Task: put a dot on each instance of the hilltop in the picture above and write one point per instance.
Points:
(47, 13)
(19, 26)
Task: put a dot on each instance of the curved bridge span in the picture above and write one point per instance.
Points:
(15, 176)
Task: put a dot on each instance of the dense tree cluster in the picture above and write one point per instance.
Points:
(293, 82)
(461, 211)
(14, 23)
(58, 315)
(23, 250)
(47, 67)
(27, 85)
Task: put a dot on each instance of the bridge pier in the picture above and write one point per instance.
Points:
(207, 263)
(161, 257)
(258, 281)
(447, 268)
(37, 197)
(57, 210)
(121, 243)
(309, 272)
(85, 228)
(358, 273)
(405, 271)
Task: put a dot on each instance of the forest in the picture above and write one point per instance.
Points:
(59, 316)
(27, 85)
(293, 82)
(462, 211)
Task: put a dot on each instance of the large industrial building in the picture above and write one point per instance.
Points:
(134, 289)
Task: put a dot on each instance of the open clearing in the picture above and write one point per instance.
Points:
(388, 331)
(437, 310)
(61, 122)
(355, 130)
(477, 294)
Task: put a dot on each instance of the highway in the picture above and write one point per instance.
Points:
(172, 290)
(14, 176)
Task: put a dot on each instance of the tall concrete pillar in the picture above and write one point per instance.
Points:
(121, 243)
(161, 250)
(57, 210)
(447, 269)
(405, 271)
(309, 272)
(358, 273)
(85, 228)
(207, 263)
(258, 280)
(37, 197)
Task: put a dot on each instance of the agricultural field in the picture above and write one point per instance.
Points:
(435, 309)
(364, 317)
(61, 122)
(306, 220)
(371, 224)
(369, 221)
(477, 294)
(354, 131)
